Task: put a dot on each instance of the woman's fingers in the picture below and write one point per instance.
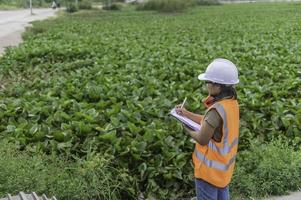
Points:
(178, 106)
(180, 111)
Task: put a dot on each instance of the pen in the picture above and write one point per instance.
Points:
(183, 102)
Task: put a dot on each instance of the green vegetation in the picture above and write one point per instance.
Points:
(166, 5)
(71, 7)
(114, 6)
(207, 2)
(89, 178)
(85, 5)
(105, 82)
(173, 5)
(267, 169)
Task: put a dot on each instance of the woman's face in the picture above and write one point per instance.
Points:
(213, 89)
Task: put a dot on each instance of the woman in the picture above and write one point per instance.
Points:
(217, 141)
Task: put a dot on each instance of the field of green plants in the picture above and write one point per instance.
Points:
(99, 85)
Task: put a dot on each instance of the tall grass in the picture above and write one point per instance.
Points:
(173, 5)
(89, 178)
(85, 5)
(267, 169)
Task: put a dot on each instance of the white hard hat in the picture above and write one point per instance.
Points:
(221, 71)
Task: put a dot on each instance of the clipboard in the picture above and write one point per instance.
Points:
(188, 122)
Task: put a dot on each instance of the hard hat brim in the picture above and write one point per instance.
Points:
(202, 77)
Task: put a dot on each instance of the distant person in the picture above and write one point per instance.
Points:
(53, 6)
(217, 141)
(58, 4)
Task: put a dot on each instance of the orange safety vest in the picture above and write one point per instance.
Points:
(214, 162)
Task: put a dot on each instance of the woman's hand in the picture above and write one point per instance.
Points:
(181, 111)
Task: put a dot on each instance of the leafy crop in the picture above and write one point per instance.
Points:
(105, 82)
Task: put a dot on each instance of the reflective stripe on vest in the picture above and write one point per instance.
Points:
(214, 164)
(226, 148)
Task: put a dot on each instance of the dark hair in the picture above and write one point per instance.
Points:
(226, 91)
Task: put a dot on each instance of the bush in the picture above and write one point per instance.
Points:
(111, 5)
(90, 178)
(208, 2)
(114, 6)
(85, 5)
(71, 7)
(267, 169)
(32, 31)
(165, 5)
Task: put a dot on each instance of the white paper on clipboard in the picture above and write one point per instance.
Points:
(188, 122)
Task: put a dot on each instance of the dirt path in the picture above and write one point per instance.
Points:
(13, 23)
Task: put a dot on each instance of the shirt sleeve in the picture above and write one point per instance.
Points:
(213, 118)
